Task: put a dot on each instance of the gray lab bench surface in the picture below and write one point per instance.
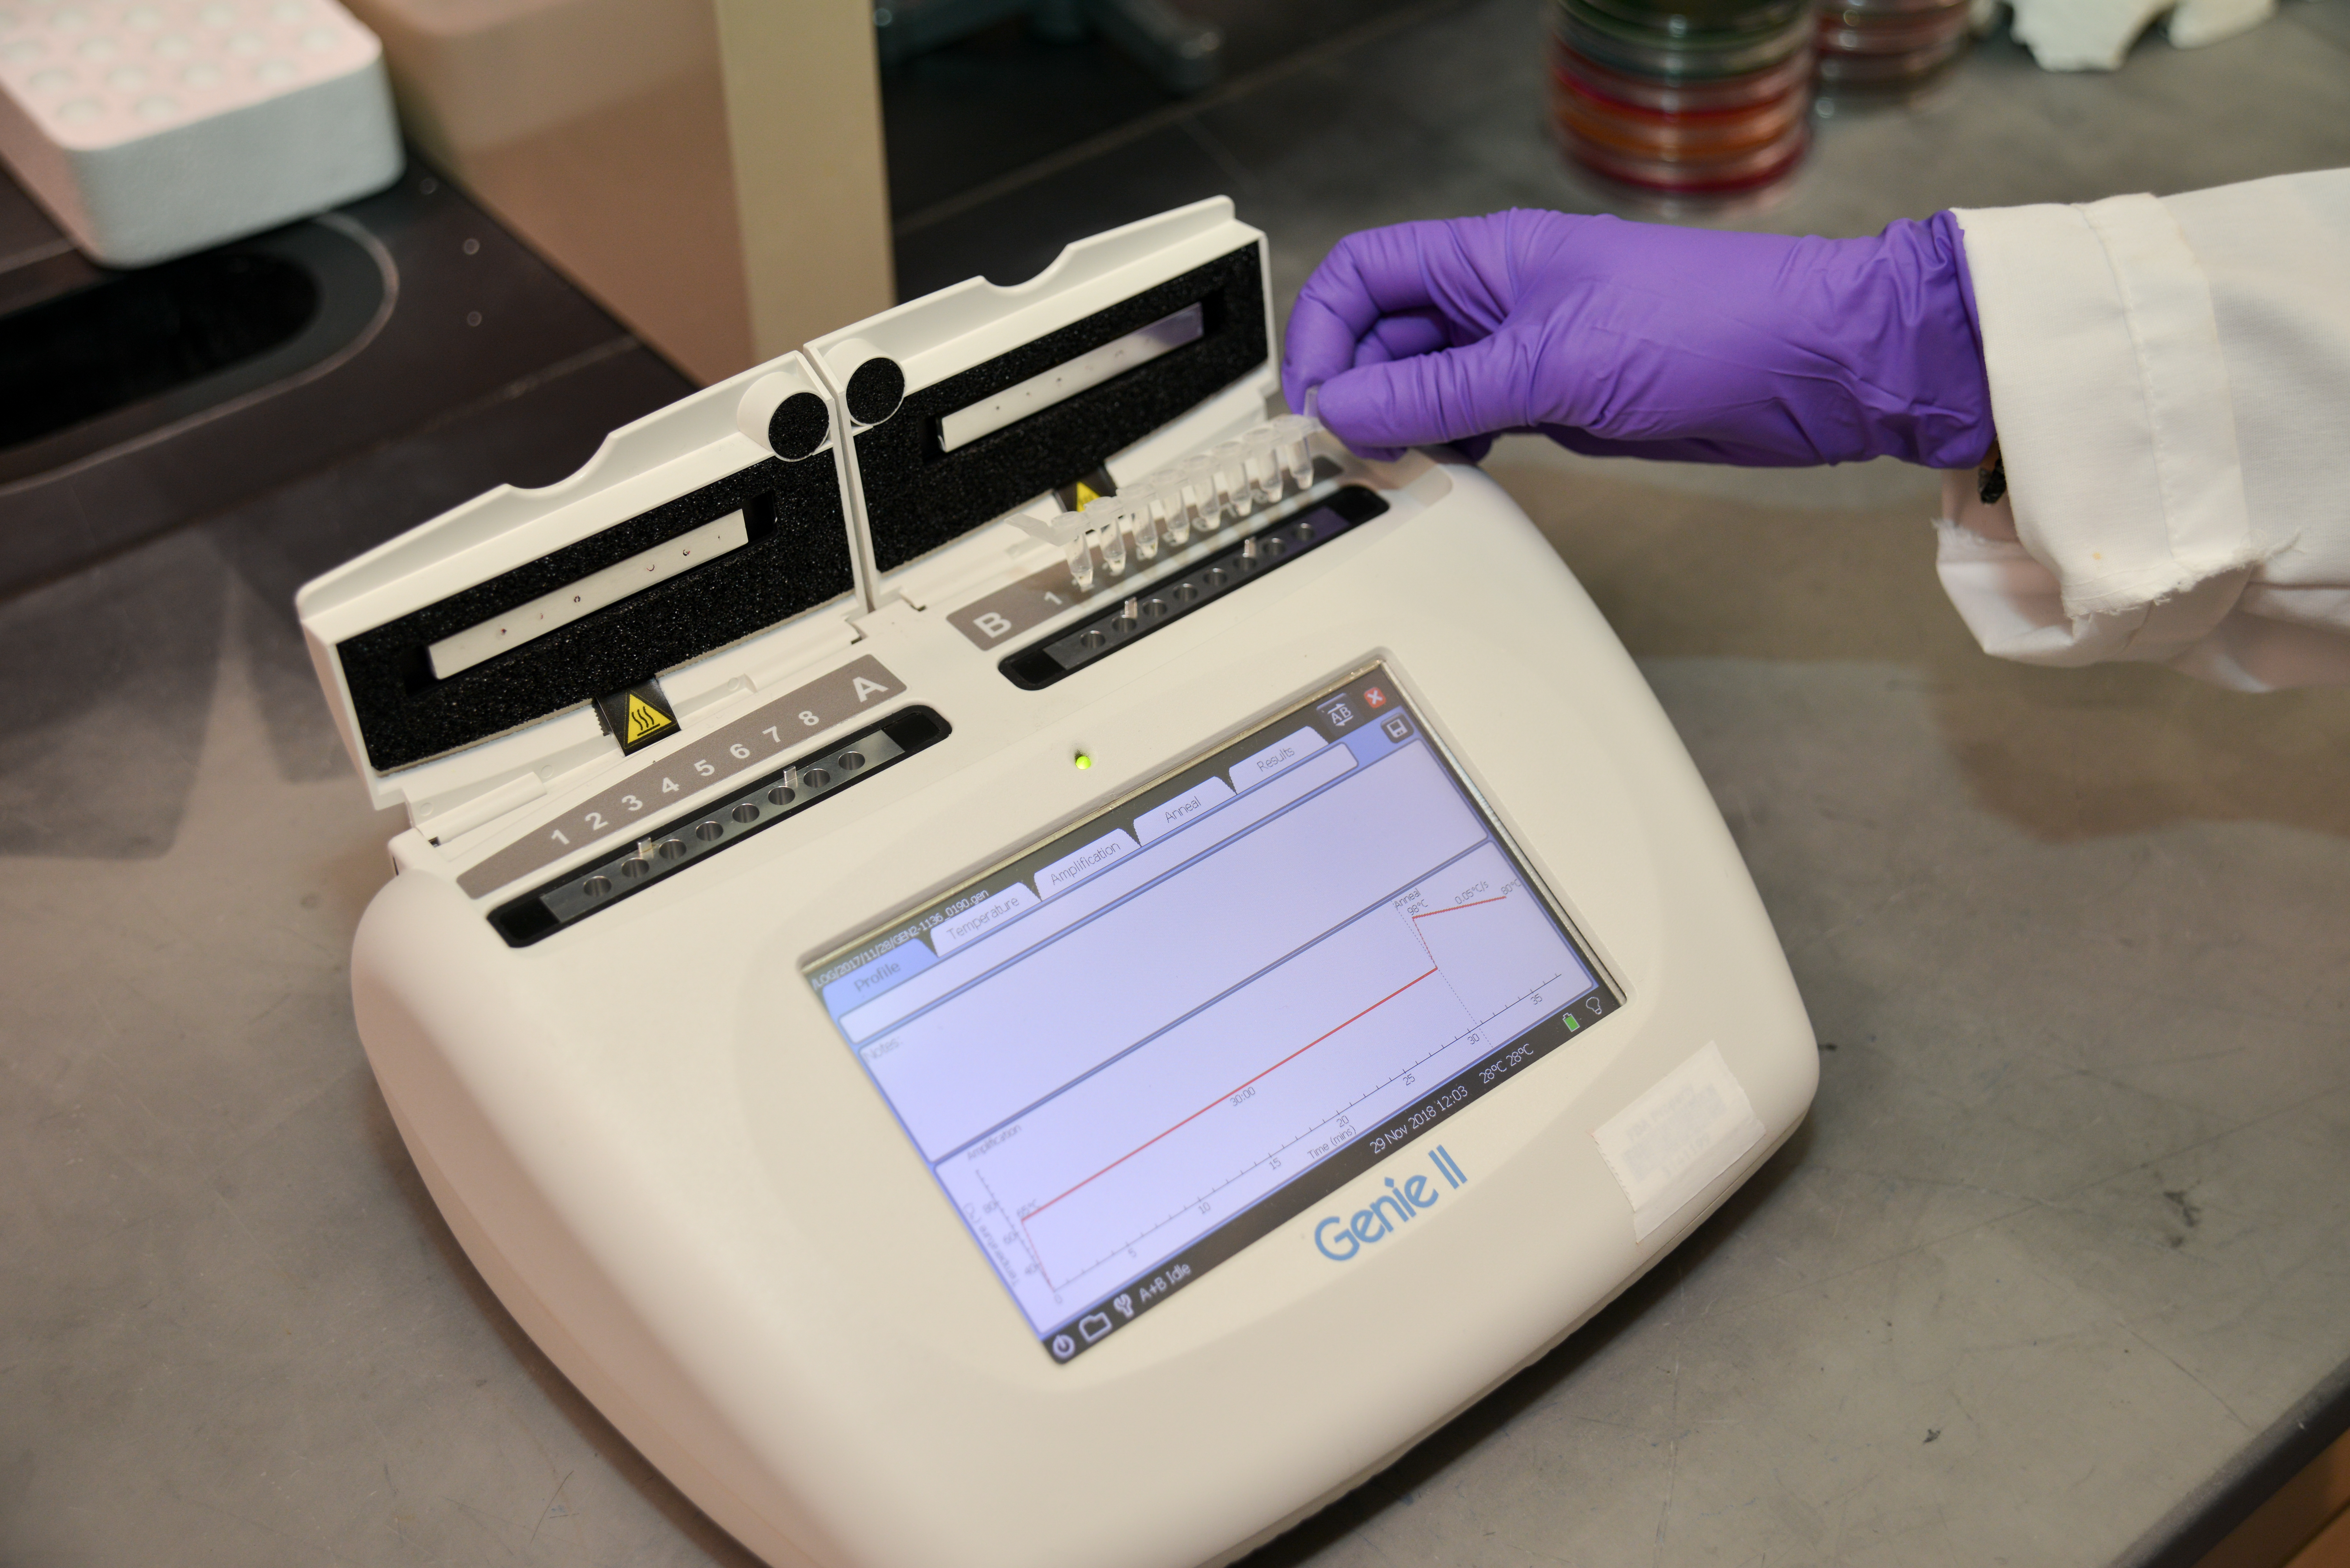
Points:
(2063, 1236)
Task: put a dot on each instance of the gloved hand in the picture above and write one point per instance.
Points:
(1638, 339)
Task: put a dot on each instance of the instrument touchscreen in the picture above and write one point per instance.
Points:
(1132, 1049)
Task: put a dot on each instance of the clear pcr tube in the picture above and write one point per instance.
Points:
(1263, 463)
(1231, 460)
(1068, 533)
(1102, 528)
(1113, 519)
(1201, 498)
(1293, 436)
(1141, 522)
(1165, 490)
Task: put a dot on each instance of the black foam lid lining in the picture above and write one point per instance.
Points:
(919, 496)
(796, 559)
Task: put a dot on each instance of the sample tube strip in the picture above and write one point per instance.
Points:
(1254, 469)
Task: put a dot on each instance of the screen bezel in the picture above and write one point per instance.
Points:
(1362, 1151)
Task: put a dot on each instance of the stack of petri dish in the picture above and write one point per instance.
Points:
(1888, 50)
(1683, 103)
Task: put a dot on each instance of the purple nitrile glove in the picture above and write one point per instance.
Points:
(1643, 341)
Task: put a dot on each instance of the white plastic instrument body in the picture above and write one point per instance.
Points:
(660, 1149)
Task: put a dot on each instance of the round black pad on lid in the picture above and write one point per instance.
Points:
(875, 390)
(798, 425)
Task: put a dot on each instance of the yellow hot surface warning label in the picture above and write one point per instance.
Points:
(645, 721)
(638, 715)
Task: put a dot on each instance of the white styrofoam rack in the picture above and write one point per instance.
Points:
(153, 127)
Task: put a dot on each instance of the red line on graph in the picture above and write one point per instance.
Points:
(1446, 910)
(1236, 1088)
(1469, 905)
(1219, 1099)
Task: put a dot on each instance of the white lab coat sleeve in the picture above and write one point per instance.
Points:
(2096, 35)
(2170, 379)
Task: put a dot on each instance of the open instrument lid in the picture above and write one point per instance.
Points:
(974, 402)
(471, 650)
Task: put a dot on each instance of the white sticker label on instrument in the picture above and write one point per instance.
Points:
(575, 601)
(1067, 379)
(1671, 1143)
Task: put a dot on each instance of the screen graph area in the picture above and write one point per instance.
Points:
(1140, 1047)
